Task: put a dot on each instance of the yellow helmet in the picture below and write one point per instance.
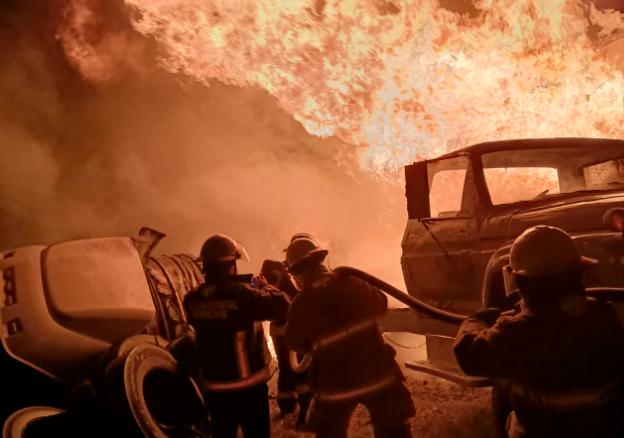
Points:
(544, 250)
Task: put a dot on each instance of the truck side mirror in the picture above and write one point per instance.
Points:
(417, 190)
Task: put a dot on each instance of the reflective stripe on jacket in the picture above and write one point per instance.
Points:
(334, 321)
(232, 350)
(344, 334)
(359, 391)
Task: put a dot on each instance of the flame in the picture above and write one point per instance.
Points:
(405, 80)
(101, 53)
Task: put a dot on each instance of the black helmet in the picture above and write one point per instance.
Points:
(303, 250)
(221, 248)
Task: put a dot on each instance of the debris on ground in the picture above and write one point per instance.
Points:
(443, 410)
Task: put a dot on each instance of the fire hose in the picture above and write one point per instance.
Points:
(414, 303)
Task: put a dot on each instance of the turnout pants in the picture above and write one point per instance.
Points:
(247, 408)
(292, 387)
(389, 411)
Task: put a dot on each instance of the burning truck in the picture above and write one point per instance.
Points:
(465, 209)
(87, 324)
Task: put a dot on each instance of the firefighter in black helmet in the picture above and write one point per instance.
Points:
(560, 354)
(226, 313)
(333, 319)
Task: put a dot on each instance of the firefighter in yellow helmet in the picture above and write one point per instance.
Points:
(333, 319)
(226, 312)
(561, 353)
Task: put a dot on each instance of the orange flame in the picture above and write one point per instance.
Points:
(404, 80)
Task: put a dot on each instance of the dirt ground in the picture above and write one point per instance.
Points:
(443, 409)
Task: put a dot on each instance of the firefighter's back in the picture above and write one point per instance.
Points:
(231, 344)
(566, 371)
(338, 315)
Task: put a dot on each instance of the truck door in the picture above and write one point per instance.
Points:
(439, 247)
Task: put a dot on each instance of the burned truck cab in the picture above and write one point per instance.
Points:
(466, 208)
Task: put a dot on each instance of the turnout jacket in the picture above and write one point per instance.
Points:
(232, 351)
(278, 327)
(562, 366)
(335, 321)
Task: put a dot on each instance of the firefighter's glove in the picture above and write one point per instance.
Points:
(488, 316)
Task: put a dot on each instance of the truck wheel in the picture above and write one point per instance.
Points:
(17, 424)
(145, 391)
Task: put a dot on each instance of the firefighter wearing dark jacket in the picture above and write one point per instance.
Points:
(333, 319)
(233, 357)
(560, 356)
(292, 387)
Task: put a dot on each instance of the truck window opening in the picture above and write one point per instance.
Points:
(533, 174)
(514, 184)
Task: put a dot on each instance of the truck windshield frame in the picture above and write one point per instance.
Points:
(557, 171)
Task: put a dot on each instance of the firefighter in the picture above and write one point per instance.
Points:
(560, 355)
(292, 387)
(226, 314)
(333, 319)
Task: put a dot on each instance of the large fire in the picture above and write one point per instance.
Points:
(400, 79)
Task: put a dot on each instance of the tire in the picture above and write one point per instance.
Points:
(147, 395)
(118, 353)
(16, 424)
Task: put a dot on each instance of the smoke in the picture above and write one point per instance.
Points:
(150, 148)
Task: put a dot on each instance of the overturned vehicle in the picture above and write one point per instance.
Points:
(86, 330)
(466, 208)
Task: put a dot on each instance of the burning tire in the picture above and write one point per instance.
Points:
(144, 388)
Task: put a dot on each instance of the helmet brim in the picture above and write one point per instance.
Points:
(241, 254)
(316, 256)
(584, 263)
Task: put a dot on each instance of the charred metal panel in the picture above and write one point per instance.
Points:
(442, 271)
(98, 287)
(29, 331)
(574, 214)
(417, 191)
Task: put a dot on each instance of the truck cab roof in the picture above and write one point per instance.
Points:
(532, 143)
